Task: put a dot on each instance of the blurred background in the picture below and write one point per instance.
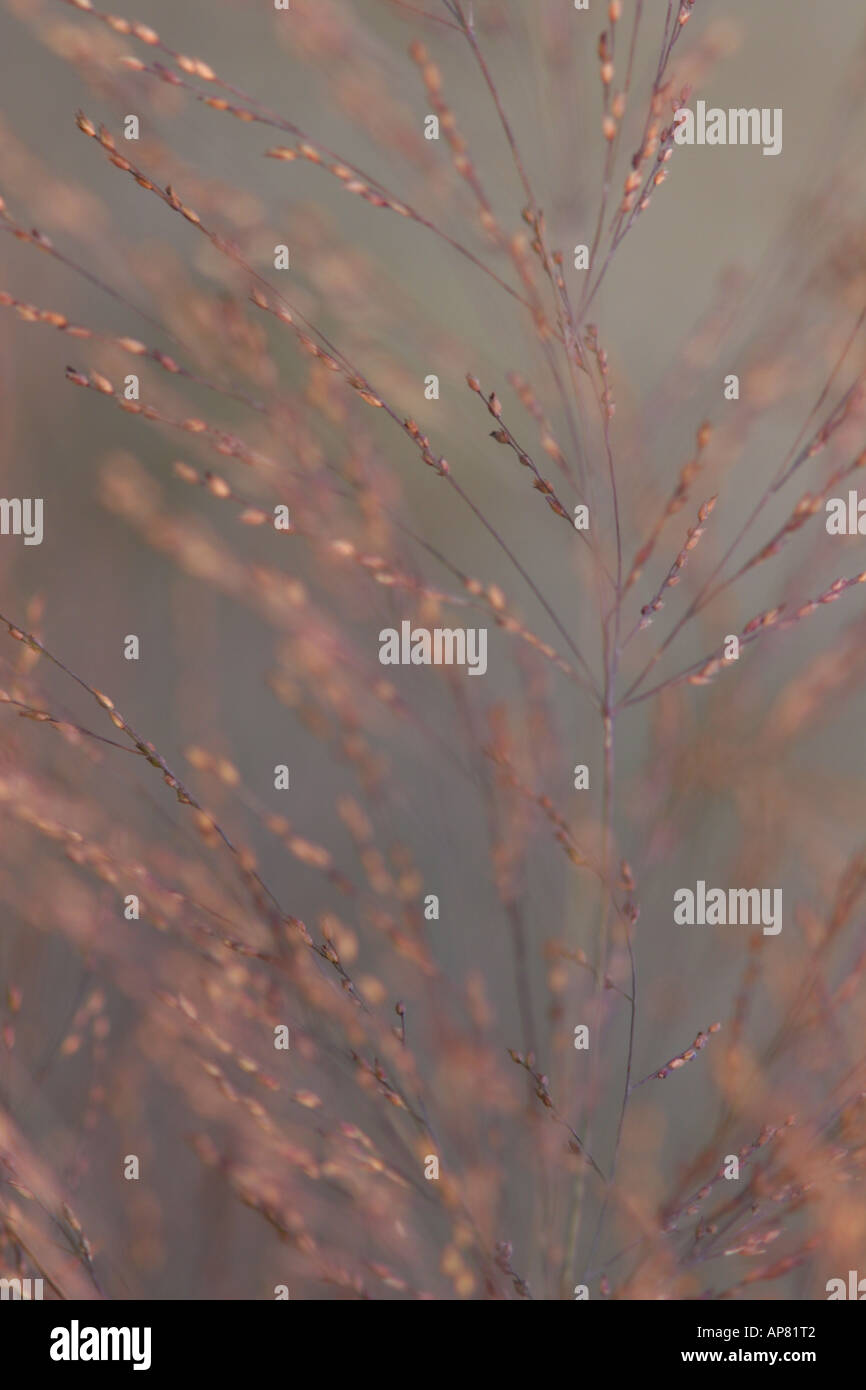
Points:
(259, 648)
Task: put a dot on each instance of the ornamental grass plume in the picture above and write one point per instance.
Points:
(328, 972)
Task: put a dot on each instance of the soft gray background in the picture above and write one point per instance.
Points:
(720, 209)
